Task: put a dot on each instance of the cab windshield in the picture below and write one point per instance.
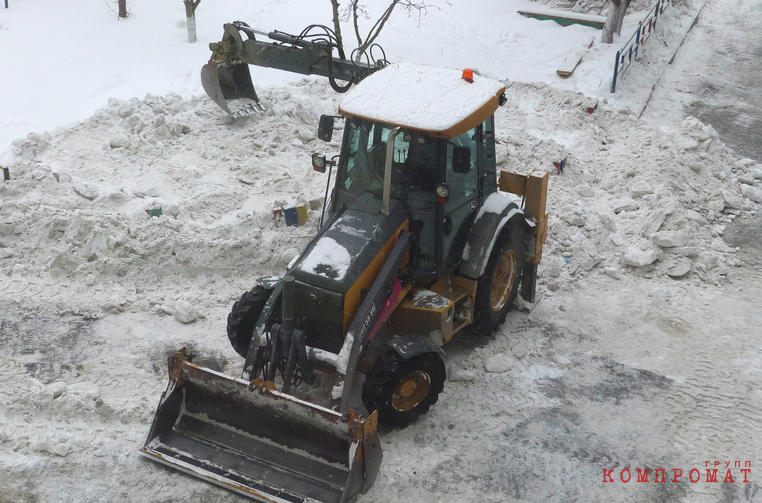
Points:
(419, 164)
(362, 168)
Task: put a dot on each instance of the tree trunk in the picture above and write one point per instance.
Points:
(190, 16)
(614, 20)
(337, 28)
(122, 8)
(620, 16)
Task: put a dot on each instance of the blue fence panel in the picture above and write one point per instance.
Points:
(629, 51)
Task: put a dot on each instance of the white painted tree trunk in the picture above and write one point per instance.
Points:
(190, 17)
(607, 35)
(192, 29)
(614, 20)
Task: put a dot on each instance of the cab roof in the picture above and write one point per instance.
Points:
(435, 101)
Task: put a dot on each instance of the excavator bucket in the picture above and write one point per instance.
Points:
(252, 439)
(229, 85)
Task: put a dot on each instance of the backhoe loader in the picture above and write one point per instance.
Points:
(420, 239)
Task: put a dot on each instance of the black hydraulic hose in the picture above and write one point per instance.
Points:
(332, 81)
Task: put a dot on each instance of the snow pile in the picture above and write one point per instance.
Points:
(633, 198)
(78, 209)
(75, 218)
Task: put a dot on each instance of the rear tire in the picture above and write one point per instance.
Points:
(243, 318)
(402, 390)
(499, 285)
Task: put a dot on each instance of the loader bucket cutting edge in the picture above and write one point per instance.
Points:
(261, 443)
(229, 84)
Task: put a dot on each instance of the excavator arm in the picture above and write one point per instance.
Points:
(226, 78)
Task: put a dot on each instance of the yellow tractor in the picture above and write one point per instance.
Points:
(421, 239)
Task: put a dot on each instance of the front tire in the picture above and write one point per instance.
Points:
(402, 390)
(243, 318)
(499, 285)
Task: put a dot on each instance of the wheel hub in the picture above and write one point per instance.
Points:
(503, 280)
(411, 390)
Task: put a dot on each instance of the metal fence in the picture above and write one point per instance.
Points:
(628, 54)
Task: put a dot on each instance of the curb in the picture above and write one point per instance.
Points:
(682, 41)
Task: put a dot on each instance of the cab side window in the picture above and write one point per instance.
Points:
(463, 186)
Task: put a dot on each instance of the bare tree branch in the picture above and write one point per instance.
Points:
(354, 20)
(337, 28)
(377, 27)
(355, 9)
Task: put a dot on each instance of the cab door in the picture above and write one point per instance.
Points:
(462, 179)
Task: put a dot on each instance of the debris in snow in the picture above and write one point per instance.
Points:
(57, 388)
(623, 204)
(607, 221)
(682, 268)
(752, 193)
(617, 239)
(519, 351)
(85, 190)
(653, 222)
(667, 239)
(498, 363)
(119, 141)
(686, 251)
(185, 312)
(732, 200)
(84, 388)
(640, 188)
(636, 257)
(585, 191)
(457, 374)
(59, 450)
(613, 272)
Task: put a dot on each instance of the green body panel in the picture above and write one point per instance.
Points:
(356, 237)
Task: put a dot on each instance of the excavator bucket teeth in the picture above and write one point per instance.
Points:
(230, 86)
(252, 439)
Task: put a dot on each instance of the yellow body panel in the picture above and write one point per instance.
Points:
(447, 307)
(353, 297)
(534, 188)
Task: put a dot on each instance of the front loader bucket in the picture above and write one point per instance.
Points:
(252, 439)
(229, 85)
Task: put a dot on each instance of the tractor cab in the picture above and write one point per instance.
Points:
(441, 171)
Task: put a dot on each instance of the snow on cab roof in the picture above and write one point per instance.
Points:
(434, 100)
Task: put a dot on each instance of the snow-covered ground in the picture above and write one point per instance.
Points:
(643, 352)
(68, 59)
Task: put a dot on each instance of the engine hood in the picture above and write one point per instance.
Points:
(337, 258)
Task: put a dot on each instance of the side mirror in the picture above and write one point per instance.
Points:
(461, 159)
(318, 161)
(325, 128)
